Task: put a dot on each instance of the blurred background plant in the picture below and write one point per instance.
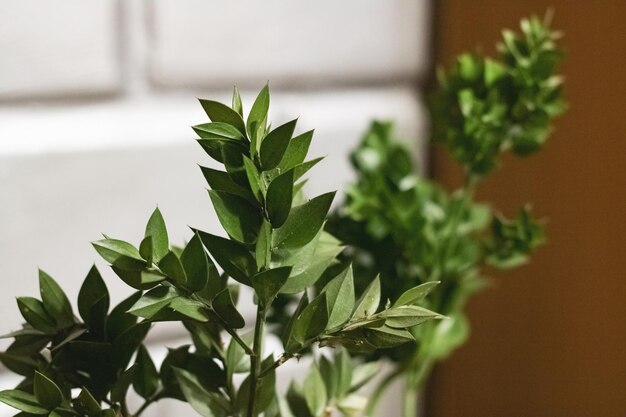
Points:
(411, 231)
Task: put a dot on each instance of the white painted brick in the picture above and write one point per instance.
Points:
(290, 42)
(58, 48)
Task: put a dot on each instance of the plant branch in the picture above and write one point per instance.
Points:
(256, 358)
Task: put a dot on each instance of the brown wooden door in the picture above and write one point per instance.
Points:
(549, 340)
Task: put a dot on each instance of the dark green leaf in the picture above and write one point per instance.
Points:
(203, 402)
(22, 401)
(119, 319)
(263, 245)
(139, 279)
(287, 337)
(21, 365)
(173, 268)
(86, 404)
(120, 388)
(35, 314)
(47, 392)
(157, 230)
(93, 299)
(387, 337)
(267, 284)
(234, 258)
(225, 308)
(54, 300)
(217, 130)
(240, 219)
(275, 144)
(127, 343)
(279, 198)
(221, 181)
(219, 112)
(146, 250)
(254, 179)
(146, 378)
(303, 223)
(196, 264)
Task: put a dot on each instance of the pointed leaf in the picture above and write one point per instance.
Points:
(340, 298)
(415, 294)
(217, 130)
(263, 244)
(86, 404)
(146, 378)
(196, 264)
(219, 112)
(254, 178)
(173, 268)
(275, 144)
(47, 392)
(120, 254)
(296, 151)
(157, 230)
(225, 308)
(54, 300)
(202, 401)
(153, 301)
(303, 168)
(234, 258)
(237, 104)
(120, 388)
(35, 314)
(303, 223)
(369, 301)
(267, 284)
(93, 299)
(22, 401)
(258, 112)
(192, 309)
(312, 322)
(221, 181)
(240, 219)
(315, 391)
(279, 198)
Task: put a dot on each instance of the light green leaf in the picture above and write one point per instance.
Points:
(340, 298)
(192, 309)
(120, 254)
(343, 362)
(237, 105)
(258, 112)
(240, 219)
(218, 130)
(153, 301)
(219, 112)
(415, 294)
(369, 301)
(315, 391)
(275, 144)
(205, 403)
(158, 232)
(407, 316)
(54, 300)
(303, 223)
(47, 392)
(267, 284)
(254, 179)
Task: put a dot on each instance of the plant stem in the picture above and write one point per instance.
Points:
(256, 358)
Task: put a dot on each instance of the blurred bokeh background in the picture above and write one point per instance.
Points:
(96, 100)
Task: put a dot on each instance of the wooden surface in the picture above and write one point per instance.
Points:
(549, 340)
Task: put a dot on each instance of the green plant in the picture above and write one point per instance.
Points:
(275, 245)
(411, 231)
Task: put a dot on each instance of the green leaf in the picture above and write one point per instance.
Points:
(217, 130)
(139, 279)
(240, 219)
(221, 181)
(303, 168)
(203, 402)
(93, 299)
(415, 294)
(226, 310)
(237, 105)
(195, 262)
(19, 364)
(254, 179)
(119, 319)
(120, 254)
(344, 369)
(158, 232)
(127, 343)
(407, 316)
(296, 151)
(226, 151)
(363, 374)
(219, 112)
(263, 244)
(145, 249)
(234, 258)
(275, 144)
(47, 392)
(287, 337)
(315, 391)
(153, 301)
(386, 337)
(22, 401)
(330, 375)
(267, 284)
(86, 404)
(54, 300)
(279, 198)
(236, 359)
(146, 378)
(173, 268)
(35, 314)
(312, 322)
(258, 112)
(340, 298)
(303, 223)
(369, 301)
(192, 309)
(120, 388)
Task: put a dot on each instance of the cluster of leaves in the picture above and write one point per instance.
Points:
(411, 231)
(485, 106)
(275, 245)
